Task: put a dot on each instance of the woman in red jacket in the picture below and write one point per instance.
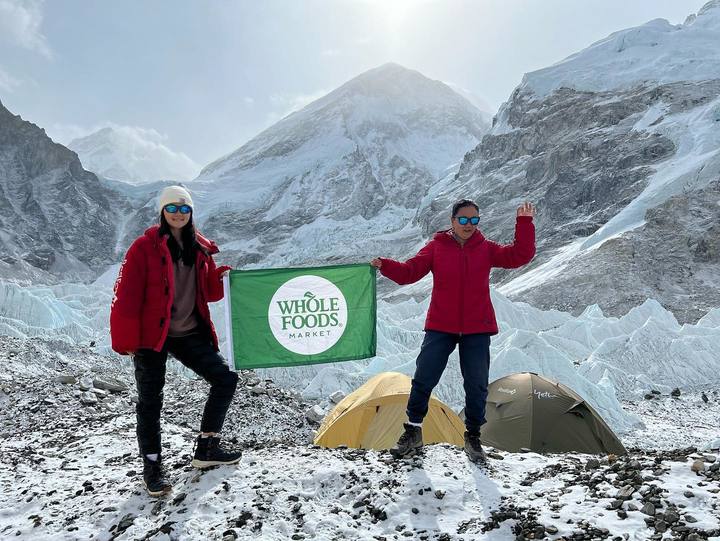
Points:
(160, 306)
(460, 313)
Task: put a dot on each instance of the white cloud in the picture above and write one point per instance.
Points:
(8, 83)
(129, 153)
(249, 101)
(142, 136)
(20, 22)
(64, 133)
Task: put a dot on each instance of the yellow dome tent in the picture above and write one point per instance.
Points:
(372, 417)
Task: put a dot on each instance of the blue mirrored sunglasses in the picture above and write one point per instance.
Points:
(184, 209)
(463, 220)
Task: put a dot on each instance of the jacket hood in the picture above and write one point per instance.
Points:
(153, 233)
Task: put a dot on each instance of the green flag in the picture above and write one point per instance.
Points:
(290, 317)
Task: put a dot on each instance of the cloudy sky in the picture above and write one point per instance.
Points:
(203, 77)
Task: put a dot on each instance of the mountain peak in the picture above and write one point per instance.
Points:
(369, 150)
(657, 52)
(106, 131)
(387, 102)
(133, 155)
(391, 87)
(390, 69)
(391, 79)
(712, 5)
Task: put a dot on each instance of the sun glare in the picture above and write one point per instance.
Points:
(394, 13)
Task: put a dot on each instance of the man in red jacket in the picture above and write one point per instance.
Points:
(460, 314)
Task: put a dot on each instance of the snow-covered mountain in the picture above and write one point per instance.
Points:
(486, 110)
(56, 219)
(341, 178)
(626, 180)
(59, 222)
(355, 174)
(619, 146)
(656, 52)
(131, 154)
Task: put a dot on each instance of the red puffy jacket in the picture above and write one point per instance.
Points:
(460, 301)
(145, 289)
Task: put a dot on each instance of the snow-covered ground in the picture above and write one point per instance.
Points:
(70, 470)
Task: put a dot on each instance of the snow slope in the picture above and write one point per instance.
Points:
(619, 147)
(657, 52)
(330, 181)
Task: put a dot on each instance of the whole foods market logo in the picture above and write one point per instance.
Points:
(308, 314)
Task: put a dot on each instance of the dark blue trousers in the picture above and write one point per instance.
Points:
(474, 365)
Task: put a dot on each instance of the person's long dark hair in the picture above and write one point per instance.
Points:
(189, 240)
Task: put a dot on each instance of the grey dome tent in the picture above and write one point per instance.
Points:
(526, 410)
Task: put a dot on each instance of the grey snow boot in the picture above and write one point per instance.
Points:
(473, 447)
(410, 442)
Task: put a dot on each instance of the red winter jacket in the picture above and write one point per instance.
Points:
(460, 302)
(145, 289)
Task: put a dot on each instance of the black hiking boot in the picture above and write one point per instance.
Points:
(473, 447)
(410, 442)
(154, 477)
(209, 453)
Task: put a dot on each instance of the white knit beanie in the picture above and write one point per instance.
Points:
(174, 194)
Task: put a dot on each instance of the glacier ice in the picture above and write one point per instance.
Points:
(601, 358)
